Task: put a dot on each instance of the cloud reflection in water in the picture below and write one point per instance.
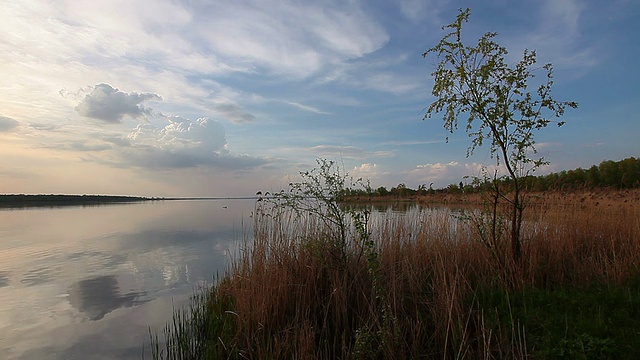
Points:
(4, 279)
(99, 296)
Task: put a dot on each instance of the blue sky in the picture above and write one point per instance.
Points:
(218, 98)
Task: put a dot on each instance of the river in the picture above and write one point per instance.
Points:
(88, 282)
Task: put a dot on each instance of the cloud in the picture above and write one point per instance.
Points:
(234, 112)
(184, 143)
(260, 99)
(598, 144)
(372, 76)
(423, 10)
(295, 38)
(306, 107)
(89, 146)
(347, 151)
(442, 174)
(77, 146)
(182, 133)
(45, 127)
(7, 124)
(547, 145)
(112, 105)
(393, 83)
(365, 171)
(557, 34)
(413, 142)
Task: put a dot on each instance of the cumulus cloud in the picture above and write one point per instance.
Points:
(111, 105)
(7, 124)
(442, 174)
(365, 171)
(185, 143)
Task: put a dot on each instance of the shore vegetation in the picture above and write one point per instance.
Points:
(421, 284)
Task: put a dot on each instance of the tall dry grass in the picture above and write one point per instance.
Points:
(295, 295)
(581, 238)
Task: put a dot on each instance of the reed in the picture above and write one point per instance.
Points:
(438, 293)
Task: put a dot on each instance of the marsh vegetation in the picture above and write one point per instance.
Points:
(293, 293)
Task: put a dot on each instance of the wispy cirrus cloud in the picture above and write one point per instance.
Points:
(334, 151)
(78, 146)
(296, 104)
(592, 145)
(421, 10)
(413, 142)
(306, 107)
(557, 36)
(295, 38)
(160, 45)
(376, 78)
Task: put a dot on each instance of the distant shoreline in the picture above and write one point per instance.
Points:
(213, 198)
(22, 200)
(61, 200)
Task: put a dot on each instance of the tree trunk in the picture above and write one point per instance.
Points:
(516, 220)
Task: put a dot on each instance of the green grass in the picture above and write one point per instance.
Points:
(204, 330)
(599, 321)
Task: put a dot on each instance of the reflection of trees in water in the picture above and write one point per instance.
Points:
(407, 207)
(398, 206)
(99, 296)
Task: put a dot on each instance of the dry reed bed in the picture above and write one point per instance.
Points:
(296, 293)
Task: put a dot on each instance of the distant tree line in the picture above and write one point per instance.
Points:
(22, 200)
(623, 174)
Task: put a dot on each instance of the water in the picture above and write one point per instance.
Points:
(88, 282)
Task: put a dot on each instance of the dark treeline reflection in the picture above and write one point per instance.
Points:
(54, 201)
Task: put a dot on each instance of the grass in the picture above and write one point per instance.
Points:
(436, 293)
(596, 322)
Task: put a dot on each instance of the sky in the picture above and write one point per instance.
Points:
(225, 98)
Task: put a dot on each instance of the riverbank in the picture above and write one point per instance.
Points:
(24, 201)
(422, 286)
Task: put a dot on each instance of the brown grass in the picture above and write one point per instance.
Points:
(295, 296)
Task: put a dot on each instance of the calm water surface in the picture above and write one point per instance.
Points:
(87, 282)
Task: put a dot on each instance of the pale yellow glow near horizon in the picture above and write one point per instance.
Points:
(27, 169)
